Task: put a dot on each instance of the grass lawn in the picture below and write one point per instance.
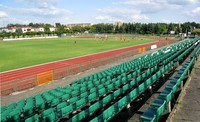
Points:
(18, 54)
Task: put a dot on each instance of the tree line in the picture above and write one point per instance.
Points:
(120, 28)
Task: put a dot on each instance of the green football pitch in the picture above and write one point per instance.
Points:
(18, 54)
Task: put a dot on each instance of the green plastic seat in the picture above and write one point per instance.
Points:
(34, 118)
(102, 91)
(117, 83)
(132, 83)
(148, 82)
(138, 79)
(90, 86)
(125, 88)
(95, 120)
(58, 94)
(93, 108)
(3, 108)
(97, 83)
(83, 89)
(148, 115)
(144, 75)
(166, 95)
(15, 115)
(73, 100)
(92, 96)
(74, 118)
(108, 113)
(107, 99)
(74, 93)
(122, 103)
(61, 105)
(66, 110)
(81, 115)
(46, 114)
(132, 95)
(117, 93)
(110, 87)
(141, 88)
(65, 97)
(39, 102)
(28, 108)
(157, 102)
(55, 102)
(93, 90)
(124, 79)
(83, 95)
(48, 98)
(108, 83)
(51, 117)
(80, 103)
(100, 86)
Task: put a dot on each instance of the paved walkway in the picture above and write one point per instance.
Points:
(189, 108)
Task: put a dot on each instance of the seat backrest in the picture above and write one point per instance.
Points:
(34, 118)
(92, 96)
(81, 115)
(47, 112)
(94, 107)
(65, 97)
(133, 94)
(66, 110)
(61, 105)
(107, 99)
(80, 103)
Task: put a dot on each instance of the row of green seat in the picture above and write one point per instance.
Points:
(123, 102)
(196, 52)
(63, 107)
(157, 108)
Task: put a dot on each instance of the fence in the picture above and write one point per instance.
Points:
(56, 74)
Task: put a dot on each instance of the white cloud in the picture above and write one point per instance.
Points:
(153, 6)
(3, 14)
(195, 13)
(103, 18)
(44, 8)
(166, 20)
(121, 14)
(117, 10)
(108, 18)
(182, 2)
(7, 20)
(139, 17)
(40, 3)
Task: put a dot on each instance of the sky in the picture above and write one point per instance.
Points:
(98, 11)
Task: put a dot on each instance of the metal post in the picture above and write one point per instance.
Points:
(181, 84)
(169, 106)
(128, 106)
(150, 89)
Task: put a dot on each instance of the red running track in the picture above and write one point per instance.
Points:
(20, 73)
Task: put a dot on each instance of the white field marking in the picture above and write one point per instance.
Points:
(46, 37)
(16, 93)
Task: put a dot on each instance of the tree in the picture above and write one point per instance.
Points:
(58, 25)
(19, 30)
